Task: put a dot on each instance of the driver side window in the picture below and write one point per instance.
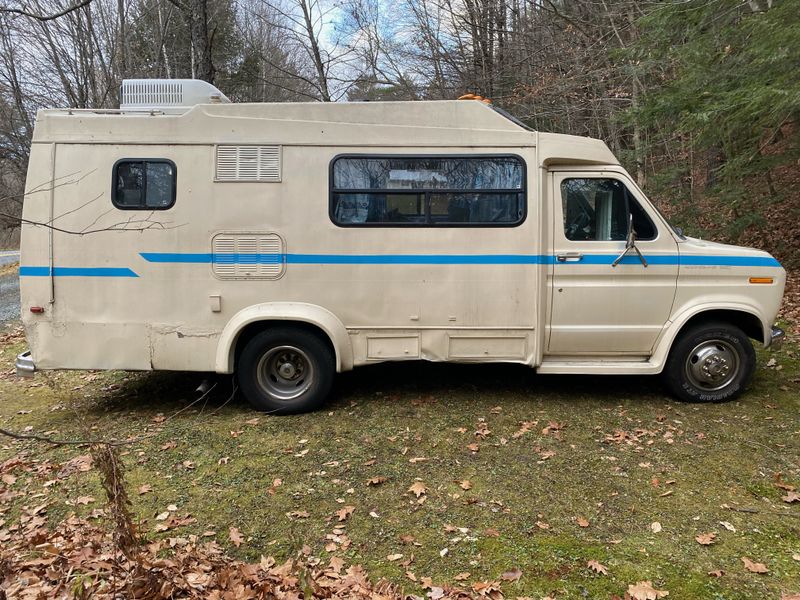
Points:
(596, 209)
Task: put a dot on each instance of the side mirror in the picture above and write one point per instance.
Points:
(630, 244)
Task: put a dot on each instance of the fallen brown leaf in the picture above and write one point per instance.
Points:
(336, 564)
(552, 426)
(524, 427)
(344, 513)
(235, 536)
(706, 539)
(644, 590)
(418, 488)
(754, 567)
(597, 567)
(298, 514)
(791, 497)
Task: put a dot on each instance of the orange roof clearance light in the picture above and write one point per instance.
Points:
(475, 97)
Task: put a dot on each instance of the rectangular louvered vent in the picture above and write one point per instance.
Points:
(248, 256)
(248, 163)
(151, 93)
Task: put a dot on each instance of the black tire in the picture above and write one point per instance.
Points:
(286, 371)
(710, 362)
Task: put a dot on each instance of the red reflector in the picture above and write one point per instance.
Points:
(37, 310)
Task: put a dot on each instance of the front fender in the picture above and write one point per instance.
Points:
(284, 311)
(673, 327)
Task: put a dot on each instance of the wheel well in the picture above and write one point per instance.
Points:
(250, 330)
(747, 322)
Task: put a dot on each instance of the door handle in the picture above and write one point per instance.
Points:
(569, 257)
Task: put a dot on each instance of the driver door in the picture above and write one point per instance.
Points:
(597, 308)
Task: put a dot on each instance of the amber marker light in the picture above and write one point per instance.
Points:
(761, 280)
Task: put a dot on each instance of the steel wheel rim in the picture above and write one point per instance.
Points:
(285, 372)
(712, 365)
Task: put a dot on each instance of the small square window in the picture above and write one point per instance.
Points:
(143, 184)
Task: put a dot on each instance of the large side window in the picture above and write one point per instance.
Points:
(427, 191)
(597, 209)
(143, 184)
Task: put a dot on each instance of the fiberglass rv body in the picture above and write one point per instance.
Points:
(287, 242)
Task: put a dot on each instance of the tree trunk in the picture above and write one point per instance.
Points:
(121, 41)
(201, 43)
(316, 55)
(638, 150)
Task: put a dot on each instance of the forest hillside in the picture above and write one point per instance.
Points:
(699, 98)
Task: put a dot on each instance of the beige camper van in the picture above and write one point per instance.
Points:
(287, 242)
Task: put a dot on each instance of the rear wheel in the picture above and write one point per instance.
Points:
(285, 371)
(711, 362)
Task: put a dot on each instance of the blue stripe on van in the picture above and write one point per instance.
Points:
(455, 259)
(176, 257)
(398, 259)
(416, 259)
(349, 259)
(728, 261)
(684, 260)
(77, 272)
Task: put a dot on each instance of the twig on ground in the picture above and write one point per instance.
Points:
(51, 441)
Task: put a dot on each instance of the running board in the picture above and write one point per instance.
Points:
(595, 366)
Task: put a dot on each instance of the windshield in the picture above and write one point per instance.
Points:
(678, 231)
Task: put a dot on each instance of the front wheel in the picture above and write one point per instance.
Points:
(711, 362)
(286, 371)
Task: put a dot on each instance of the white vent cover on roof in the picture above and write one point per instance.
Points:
(167, 95)
(248, 163)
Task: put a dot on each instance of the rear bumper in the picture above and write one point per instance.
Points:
(776, 339)
(24, 364)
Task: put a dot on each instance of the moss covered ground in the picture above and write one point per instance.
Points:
(514, 471)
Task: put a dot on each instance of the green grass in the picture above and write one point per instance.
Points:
(707, 460)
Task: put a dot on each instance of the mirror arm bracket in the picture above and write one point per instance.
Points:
(630, 241)
(625, 253)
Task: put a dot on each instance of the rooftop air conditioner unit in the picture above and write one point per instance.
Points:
(167, 95)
